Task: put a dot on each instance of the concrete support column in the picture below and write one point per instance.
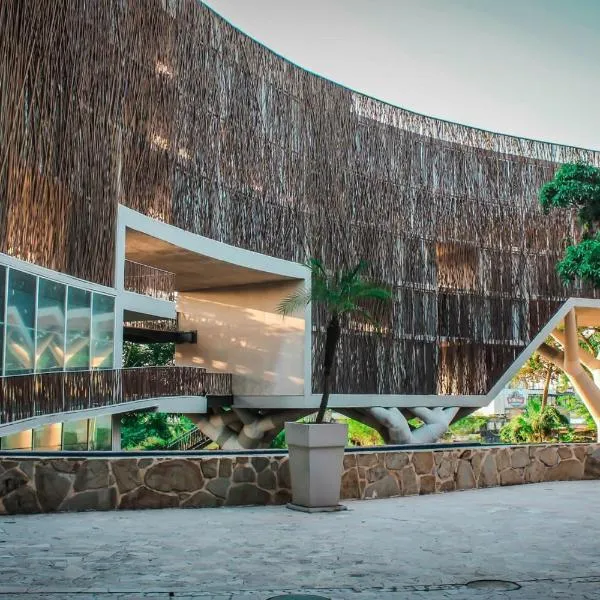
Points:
(116, 432)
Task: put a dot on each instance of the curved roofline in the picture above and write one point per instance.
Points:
(385, 102)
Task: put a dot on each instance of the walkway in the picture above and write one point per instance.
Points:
(543, 536)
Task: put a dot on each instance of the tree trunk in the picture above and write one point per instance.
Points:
(331, 341)
(546, 388)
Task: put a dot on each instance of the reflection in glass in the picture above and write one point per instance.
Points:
(17, 441)
(78, 329)
(103, 322)
(50, 326)
(48, 437)
(20, 318)
(75, 435)
(101, 433)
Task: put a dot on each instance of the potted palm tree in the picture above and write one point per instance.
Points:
(316, 450)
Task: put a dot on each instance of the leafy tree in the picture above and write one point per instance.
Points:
(536, 424)
(577, 186)
(343, 294)
(150, 430)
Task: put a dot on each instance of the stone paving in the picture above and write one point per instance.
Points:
(545, 537)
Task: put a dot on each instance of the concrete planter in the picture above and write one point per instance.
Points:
(316, 463)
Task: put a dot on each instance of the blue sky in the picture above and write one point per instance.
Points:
(525, 67)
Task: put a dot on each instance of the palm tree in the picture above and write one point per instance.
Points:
(538, 423)
(343, 294)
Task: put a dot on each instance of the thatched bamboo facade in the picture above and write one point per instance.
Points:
(162, 106)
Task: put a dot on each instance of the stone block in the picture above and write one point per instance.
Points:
(127, 474)
(369, 459)
(423, 461)
(465, 478)
(144, 497)
(52, 487)
(511, 476)
(144, 463)
(246, 494)
(427, 484)
(349, 460)
(244, 475)
(548, 455)
(201, 499)
(11, 480)
(376, 473)
(592, 465)
(174, 476)
(219, 486)
(283, 475)
(447, 486)
(350, 487)
(503, 459)
(488, 475)
(565, 452)
(65, 465)
(210, 467)
(566, 470)
(396, 460)
(92, 474)
(282, 497)
(519, 458)
(21, 501)
(445, 468)
(410, 483)
(384, 488)
(225, 466)
(267, 480)
(260, 463)
(98, 499)
(535, 472)
(579, 452)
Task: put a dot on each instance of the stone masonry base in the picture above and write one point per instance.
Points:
(34, 485)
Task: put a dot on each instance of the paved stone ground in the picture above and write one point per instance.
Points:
(546, 537)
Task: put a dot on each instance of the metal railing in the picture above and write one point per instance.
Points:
(26, 396)
(190, 440)
(149, 281)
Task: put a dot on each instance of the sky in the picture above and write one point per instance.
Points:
(524, 67)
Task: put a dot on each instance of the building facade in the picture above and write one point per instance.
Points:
(156, 164)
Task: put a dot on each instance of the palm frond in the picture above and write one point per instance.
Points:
(294, 302)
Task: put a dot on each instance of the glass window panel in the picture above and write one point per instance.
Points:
(17, 441)
(75, 435)
(20, 318)
(50, 326)
(101, 433)
(48, 437)
(78, 329)
(103, 322)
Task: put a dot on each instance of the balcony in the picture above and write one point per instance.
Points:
(27, 396)
(149, 281)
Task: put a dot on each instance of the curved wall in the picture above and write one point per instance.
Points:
(162, 106)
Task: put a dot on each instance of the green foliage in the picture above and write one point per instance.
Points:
(470, 425)
(574, 186)
(577, 186)
(534, 424)
(575, 406)
(581, 261)
(147, 355)
(341, 293)
(151, 430)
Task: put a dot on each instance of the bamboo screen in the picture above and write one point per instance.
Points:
(164, 107)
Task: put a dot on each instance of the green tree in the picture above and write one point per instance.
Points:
(150, 430)
(577, 186)
(343, 294)
(536, 424)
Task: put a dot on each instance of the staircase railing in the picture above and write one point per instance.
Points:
(26, 396)
(190, 440)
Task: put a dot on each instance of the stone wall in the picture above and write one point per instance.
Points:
(32, 485)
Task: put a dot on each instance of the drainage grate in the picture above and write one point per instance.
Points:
(493, 584)
(298, 597)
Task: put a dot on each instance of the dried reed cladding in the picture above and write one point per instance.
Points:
(162, 106)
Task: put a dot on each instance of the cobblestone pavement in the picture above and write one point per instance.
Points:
(545, 537)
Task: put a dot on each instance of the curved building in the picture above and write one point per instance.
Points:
(162, 174)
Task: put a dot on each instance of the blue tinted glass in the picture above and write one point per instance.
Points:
(50, 326)
(103, 323)
(20, 318)
(78, 329)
